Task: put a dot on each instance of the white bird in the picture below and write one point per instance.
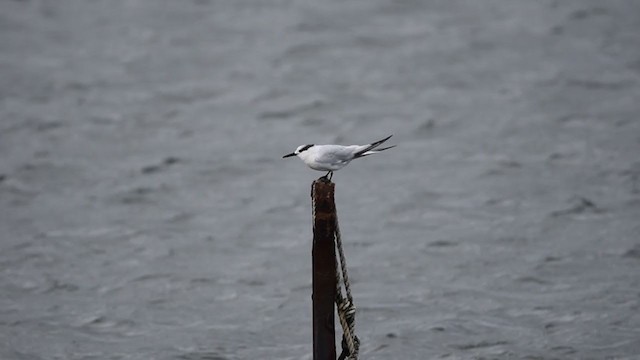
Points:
(334, 157)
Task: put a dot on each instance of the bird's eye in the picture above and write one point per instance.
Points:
(305, 148)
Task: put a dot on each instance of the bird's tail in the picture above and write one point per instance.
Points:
(370, 152)
(368, 149)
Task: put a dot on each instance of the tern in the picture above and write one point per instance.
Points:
(334, 157)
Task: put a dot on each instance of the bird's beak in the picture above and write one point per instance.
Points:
(289, 155)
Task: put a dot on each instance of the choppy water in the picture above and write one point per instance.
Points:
(145, 211)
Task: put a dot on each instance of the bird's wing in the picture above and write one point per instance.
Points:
(334, 154)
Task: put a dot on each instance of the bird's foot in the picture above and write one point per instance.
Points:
(327, 178)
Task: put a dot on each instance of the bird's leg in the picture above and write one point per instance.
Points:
(330, 175)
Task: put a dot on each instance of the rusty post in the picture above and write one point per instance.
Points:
(324, 270)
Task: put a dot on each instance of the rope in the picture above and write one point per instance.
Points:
(346, 308)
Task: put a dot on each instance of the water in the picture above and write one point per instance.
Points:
(146, 212)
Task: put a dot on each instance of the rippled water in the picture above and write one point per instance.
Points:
(146, 212)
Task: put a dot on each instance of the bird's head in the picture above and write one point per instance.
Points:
(300, 149)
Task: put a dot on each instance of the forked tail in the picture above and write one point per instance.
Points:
(368, 150)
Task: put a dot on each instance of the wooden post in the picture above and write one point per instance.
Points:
(324, 270)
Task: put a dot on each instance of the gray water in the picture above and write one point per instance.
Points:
(146, 213)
